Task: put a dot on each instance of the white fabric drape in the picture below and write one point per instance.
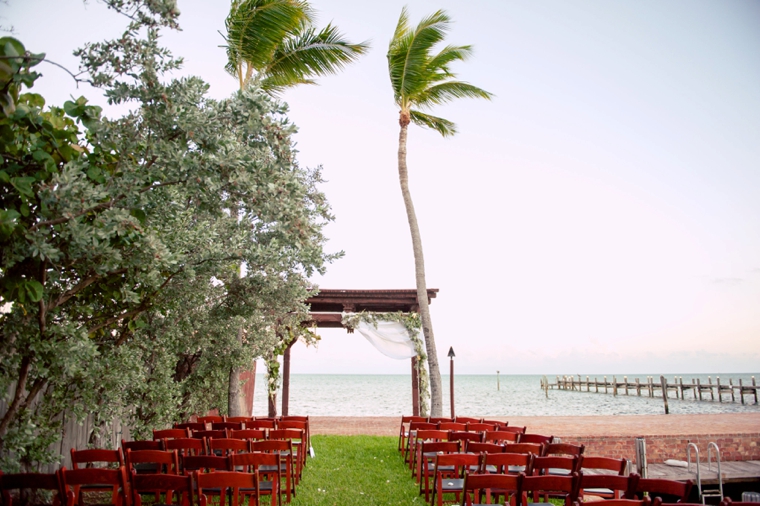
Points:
(390, 338)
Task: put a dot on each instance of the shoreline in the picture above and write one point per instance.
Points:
(567, 426)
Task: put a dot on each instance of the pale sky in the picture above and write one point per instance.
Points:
(600, 215)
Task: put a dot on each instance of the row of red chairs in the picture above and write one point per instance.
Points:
(249, 424)
(245, 422)
(170, 462)
(463, 424)
(451, 471)
(523, 490)
(177, 437)
(277, 457)
(181, 439)
(528, 443)
(502, 462)
(68, 485)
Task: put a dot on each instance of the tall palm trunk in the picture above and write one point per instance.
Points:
(436, 399)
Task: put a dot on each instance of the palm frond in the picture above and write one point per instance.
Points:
(448, 91)
(402, 26)
(447, 55)
(310, 53)
(408, 52)
(440, 125)
(255, 28)
(275, 85)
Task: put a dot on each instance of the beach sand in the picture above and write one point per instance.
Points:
(569, 426)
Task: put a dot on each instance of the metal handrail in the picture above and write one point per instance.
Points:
(710, 446)
(688, 459)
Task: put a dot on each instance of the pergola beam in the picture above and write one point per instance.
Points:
(328, 305)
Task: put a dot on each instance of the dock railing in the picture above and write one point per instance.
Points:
(652, 387)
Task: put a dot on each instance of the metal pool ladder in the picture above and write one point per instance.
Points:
(703, 494)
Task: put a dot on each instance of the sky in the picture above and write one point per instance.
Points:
(600, 216)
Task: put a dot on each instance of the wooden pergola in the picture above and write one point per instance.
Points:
(327, 308)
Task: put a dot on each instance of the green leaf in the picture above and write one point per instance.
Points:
(33, 289)
(96, 174)
(139, 214)
(72, 109)
(23, 185)
(8, 222)
(33, 99)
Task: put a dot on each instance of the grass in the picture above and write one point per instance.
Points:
(360, 470)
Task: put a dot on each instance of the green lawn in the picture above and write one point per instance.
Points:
(357, 470)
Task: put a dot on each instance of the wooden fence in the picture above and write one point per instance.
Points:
(77, 434)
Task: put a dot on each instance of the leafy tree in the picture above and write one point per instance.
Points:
(117, 237)
(276, 42)
(422, 79)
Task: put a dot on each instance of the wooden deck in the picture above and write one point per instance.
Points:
(733, 472)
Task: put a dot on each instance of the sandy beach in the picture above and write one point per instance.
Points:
(570, 426)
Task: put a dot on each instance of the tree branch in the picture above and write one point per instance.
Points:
(144, 305)
(23, 376)
(82, 285)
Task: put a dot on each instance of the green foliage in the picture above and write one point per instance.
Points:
(121, 241)
(15, 64)
(367, 469)
(275, 42)
(421, 79)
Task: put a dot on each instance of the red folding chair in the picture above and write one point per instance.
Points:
(75, 482)
(450, 470)
(170, 485)
(478, 488)
(535, 488)
(403, 432)
(231, 484)
(284, 450)
(266, 465)
(112, 459)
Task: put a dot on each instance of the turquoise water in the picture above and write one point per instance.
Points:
(477, 395)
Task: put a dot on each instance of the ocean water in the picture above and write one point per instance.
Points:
(478, 396)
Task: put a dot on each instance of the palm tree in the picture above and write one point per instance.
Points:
(421, 79)
(275, 41)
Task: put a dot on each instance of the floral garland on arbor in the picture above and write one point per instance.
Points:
(306, 335)
(412, 323)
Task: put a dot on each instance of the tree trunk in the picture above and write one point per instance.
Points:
(18, 394)
(273, 373)
(235, 401)
(436, 395)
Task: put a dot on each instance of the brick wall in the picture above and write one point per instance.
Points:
(659, 448)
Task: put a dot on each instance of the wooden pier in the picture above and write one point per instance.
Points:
(747, 471)
(652, 387)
